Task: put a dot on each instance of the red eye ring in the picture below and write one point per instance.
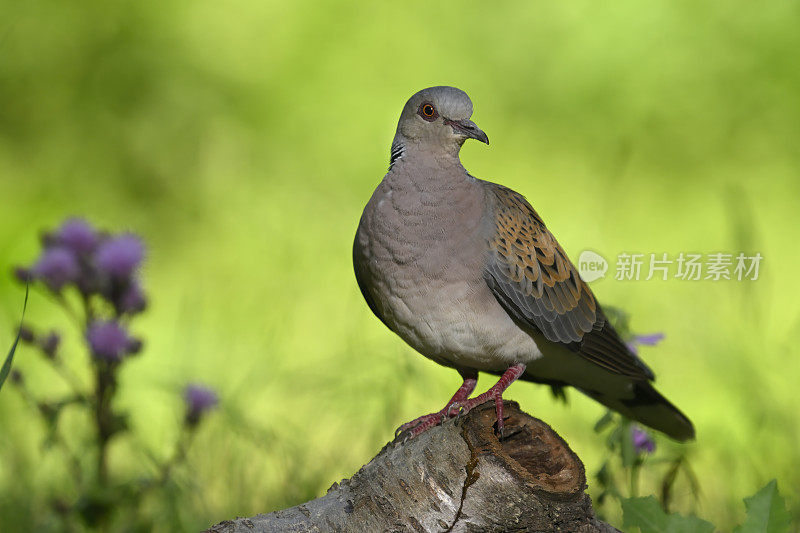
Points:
(428, 112)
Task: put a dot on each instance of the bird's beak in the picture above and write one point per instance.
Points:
(468, 128)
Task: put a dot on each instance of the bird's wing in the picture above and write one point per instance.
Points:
(534, 280)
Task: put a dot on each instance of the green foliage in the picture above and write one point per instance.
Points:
(99, 272)
(634, 453)
(631, 447)
(647, 515)
(766, 512)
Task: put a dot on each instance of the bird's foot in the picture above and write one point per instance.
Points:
(460, 404)
(461, 408)
(423, 423)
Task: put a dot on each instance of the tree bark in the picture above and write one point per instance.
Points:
(455, 477)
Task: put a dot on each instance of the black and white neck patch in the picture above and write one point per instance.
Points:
(396, 153)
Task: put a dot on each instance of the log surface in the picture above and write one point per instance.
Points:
(455, 477)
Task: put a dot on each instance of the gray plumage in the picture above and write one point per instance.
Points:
(466, 272)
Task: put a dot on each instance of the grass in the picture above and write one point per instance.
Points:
(243, 142)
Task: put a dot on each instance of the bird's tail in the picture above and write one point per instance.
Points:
(650, 408)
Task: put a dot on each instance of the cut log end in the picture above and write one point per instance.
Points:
(529, 449)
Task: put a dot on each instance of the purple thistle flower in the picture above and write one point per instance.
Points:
(642, 442)
(199, 399)
(132, 299)
(57, 267)
(644, 340)
(108, 340)
(77, 235)
(120, 256)
(89, 282)
(648, 340)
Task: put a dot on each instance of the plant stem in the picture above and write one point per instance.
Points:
(104, 390)
(634, 492)
(181, 447)
(70, 378)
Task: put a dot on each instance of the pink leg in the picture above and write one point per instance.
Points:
(495, 393)
(426, 422)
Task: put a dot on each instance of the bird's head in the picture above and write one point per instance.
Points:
(439, 117)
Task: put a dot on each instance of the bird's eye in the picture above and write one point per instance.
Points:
(428, 112)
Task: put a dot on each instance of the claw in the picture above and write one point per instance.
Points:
(501, 430)
(450, 407)
(409, 425)
(419, 425)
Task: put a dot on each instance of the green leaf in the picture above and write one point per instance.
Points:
(647, 515)
(6, 370)
(688, 524)
(613, 439)
(766, 512)
(604, 421)
(644, 513)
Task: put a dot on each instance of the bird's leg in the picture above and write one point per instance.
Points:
(425, 422)
(495, 393)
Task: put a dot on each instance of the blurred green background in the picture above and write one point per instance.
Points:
(243, 139)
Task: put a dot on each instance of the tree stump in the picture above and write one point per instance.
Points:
(455, 477)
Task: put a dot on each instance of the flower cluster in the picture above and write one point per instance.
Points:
(96, 263)
(199, 400)
(642, 442)
(94, 277)
(103, 268)
(109, 341)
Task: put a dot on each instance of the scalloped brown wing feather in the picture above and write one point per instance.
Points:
(534, 280)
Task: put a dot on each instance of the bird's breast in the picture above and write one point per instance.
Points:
(405, 232)
(421, 258)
